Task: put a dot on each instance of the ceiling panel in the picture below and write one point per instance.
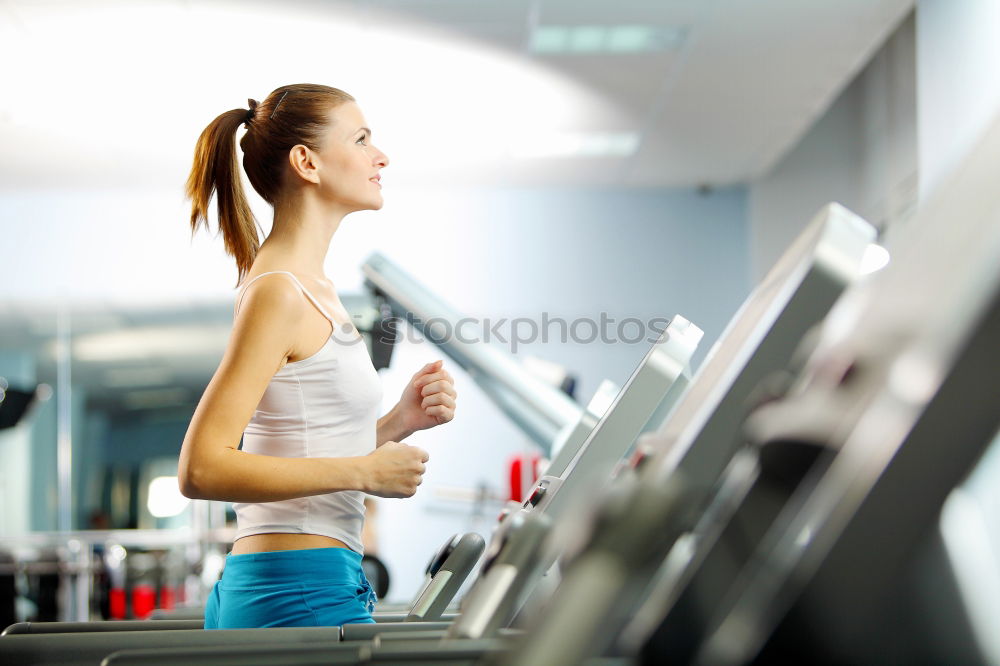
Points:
(632, 80)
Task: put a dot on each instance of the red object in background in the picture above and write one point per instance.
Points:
(143, 601)
(166, 597)
(516, 474)
(116, 603)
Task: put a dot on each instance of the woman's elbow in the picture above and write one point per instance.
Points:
(190, 482)
(187, 486)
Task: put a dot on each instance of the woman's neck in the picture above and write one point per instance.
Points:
(301, 235)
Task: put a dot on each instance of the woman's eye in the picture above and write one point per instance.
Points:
(362, 141)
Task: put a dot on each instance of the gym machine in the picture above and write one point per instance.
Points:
(853, 569)
(546, 414)
(820, 543)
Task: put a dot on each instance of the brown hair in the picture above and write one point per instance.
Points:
(290, 115)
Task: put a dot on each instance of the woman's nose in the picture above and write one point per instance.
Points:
(381, 158)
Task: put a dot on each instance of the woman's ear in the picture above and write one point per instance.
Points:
(304, 163)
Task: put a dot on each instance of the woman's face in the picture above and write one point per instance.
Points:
(350, 162)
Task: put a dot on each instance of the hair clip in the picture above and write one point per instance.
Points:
(277, 105)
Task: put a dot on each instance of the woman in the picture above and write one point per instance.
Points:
(296, 380)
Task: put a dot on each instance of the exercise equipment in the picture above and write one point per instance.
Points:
(820, 543)
(107, 625)
(624, 561)
(14, 403)
(899, 400)
(92, 646)
(452, 563)
(446, 572)
(543, 412)
(581, 466)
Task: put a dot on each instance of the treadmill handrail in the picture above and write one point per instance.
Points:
(541, 410)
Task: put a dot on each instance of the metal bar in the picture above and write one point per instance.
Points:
(143, 538)
(542, 411)
(84, 581)
(64, 420)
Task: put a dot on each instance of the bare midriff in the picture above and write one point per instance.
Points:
(263, 543)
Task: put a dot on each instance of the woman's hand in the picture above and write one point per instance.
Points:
(394, 470)
(428, 400)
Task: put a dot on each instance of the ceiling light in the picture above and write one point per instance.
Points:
(581, 39)
(588, 38)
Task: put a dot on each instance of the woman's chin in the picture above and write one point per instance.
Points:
(365, 205)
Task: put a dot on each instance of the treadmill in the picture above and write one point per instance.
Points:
(821, 543)
(853, 569)
(581, 464)
(623, 569)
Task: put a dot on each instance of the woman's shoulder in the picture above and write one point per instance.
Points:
(271, 294)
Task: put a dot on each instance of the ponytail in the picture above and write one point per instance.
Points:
(274, 126)
(216, 170)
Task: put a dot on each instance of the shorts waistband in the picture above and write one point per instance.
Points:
(315, 565)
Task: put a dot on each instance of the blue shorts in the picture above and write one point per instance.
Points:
(316, 587)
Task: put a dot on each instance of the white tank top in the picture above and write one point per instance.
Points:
(322, 406)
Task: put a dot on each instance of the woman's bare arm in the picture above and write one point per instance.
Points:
(390, 429)
(211, 466)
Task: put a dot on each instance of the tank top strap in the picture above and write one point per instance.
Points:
(302, 288)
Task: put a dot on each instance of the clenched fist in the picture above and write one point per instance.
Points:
(428, 400)
(394, 470)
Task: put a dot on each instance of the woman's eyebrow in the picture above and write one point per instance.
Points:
(364, 129)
